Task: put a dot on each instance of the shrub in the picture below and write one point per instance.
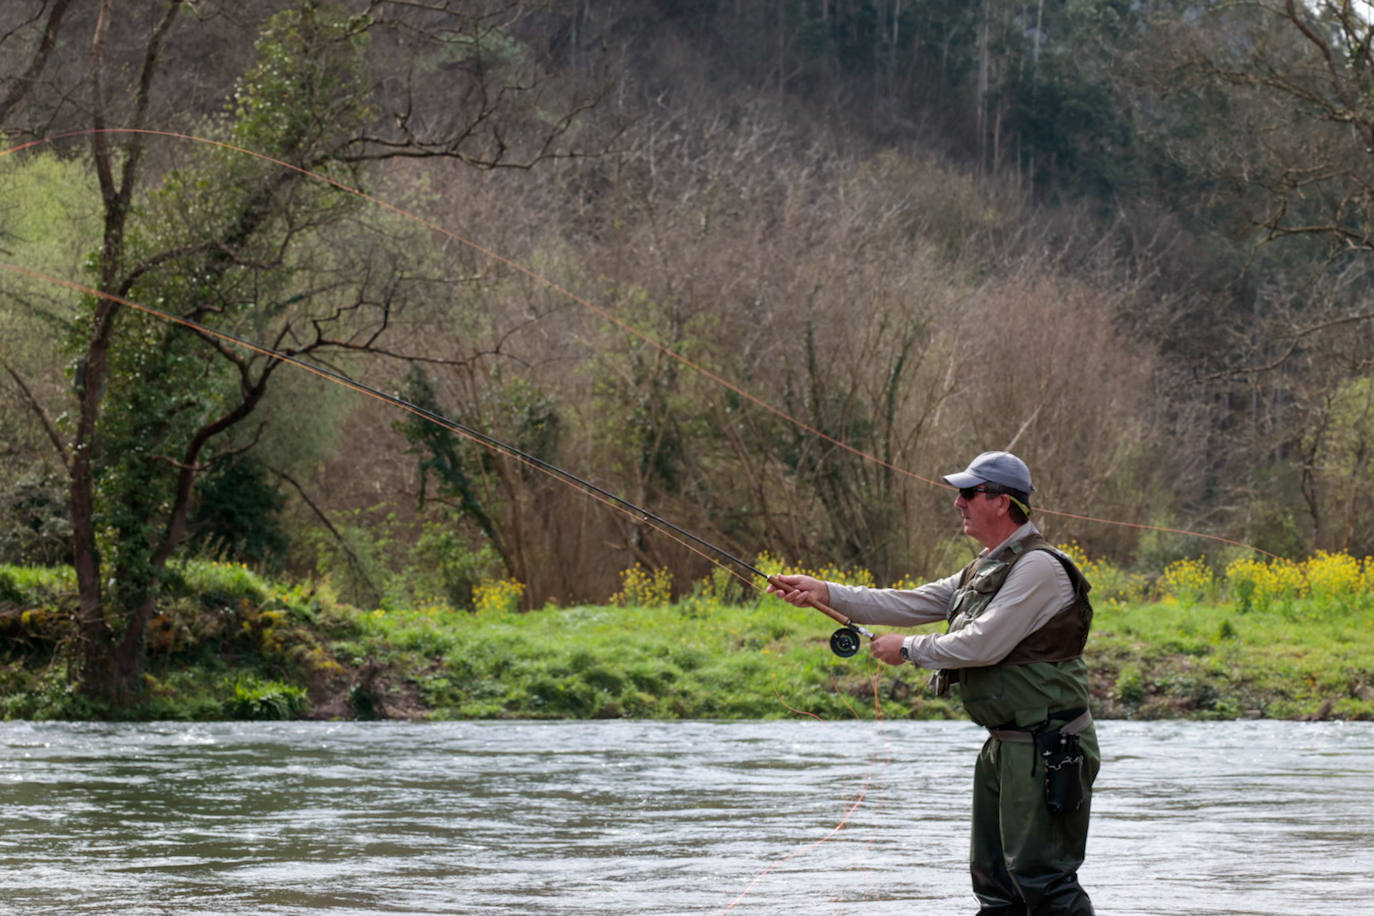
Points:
(1335, 582)
(1257, 585)
(10, 592)
(501, 596)
(641, 588)
(449, 569)
(1189, 582)
(257, 700)
(1130, 686)
(1111, 584)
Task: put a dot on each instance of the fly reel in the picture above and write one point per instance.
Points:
(845, 642)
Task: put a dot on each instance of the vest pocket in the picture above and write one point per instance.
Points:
(975, 595)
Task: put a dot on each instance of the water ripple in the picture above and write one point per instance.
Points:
(653, 818)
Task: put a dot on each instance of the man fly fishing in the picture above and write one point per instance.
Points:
(1018, 618)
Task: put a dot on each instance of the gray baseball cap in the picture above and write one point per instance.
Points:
(1002, 468)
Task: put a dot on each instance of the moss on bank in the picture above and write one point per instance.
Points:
(227, 644)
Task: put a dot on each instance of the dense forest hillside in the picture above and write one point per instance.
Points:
(767, 269)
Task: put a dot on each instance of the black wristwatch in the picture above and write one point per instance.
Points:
(906, 655)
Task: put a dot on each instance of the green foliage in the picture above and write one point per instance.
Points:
(307, 89)
(1063, 102)
(666, 661)
(1130, 686)
(719, 589)
(45, 581)
(236, 515)
(157, 391)
(35, 528)
(1111, 584)
(498, 596)
(10, 592)
(43, 693)
(468, 475)
(1158, 549)
(1344, 464)
(1037, 94)
(1168, 661)
(216, 583)
(257, 700)
(448, 570)
(49, 222)
(355, 562)
(1273, 521)
(216, 625)
(1270, 638)
(218, 240)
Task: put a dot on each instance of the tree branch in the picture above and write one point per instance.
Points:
(25, 81)
(1296, 339)
(324, 519)
(38, 411)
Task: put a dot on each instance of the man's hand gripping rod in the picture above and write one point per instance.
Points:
(844, 642)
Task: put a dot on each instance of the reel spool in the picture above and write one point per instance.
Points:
(845, 642)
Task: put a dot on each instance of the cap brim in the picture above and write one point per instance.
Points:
(963, 480)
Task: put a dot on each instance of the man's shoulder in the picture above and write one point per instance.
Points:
(1046, 561)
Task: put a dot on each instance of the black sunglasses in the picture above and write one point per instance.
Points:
(969, 492)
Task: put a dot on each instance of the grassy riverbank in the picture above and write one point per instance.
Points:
(230, 645)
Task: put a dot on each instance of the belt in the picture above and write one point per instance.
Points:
(1017, 736)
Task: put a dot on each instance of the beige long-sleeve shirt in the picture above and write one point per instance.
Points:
(1035, 590)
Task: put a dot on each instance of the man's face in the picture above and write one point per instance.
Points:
(981, 513)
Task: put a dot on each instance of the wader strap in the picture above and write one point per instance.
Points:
(1017, 736)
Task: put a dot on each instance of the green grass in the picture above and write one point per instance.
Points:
(228, 644)
(1166, 660)
(683, 660)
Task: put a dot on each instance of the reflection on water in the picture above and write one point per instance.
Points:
(636, 818)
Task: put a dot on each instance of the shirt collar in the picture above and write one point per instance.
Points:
(1021, 533)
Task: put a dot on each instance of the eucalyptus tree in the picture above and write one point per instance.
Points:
(266, 246)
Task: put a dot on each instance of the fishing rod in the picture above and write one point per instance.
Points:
(844, 642)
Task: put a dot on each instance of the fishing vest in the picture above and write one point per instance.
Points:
(1044, 673)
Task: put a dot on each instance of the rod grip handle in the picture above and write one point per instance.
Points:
(825, 609)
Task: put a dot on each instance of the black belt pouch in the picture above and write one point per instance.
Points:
(1063, 758)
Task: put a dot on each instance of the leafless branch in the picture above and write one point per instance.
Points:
(58, 445)
(41, 55)
(324, 519)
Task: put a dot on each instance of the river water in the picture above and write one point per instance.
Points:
(633, 817)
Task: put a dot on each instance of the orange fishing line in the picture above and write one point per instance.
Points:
(791, 708)
(801, 850)
(858, 799)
